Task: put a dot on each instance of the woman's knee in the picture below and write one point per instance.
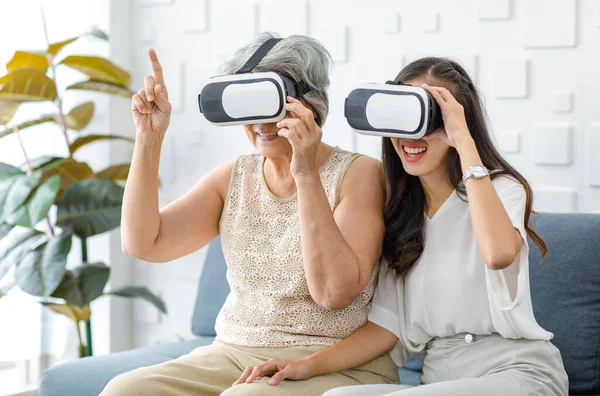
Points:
(136, 382)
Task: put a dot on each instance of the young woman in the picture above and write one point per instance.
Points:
(454, 285)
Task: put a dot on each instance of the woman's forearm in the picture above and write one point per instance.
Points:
(332, 269)
(140, 221)
(362, 346)
(496, 237)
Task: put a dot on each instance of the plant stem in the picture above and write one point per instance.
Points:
(59, 104)
(27, 162)
(82, 348)
(30, 171)
(84, 251)
(88, 323)
(88, 336)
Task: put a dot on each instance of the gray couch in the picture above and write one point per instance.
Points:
(566, 299)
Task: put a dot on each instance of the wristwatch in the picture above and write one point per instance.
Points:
(475, 172)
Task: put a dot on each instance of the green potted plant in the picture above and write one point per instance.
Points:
(34, 248)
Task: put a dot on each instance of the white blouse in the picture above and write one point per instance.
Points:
(450, 290)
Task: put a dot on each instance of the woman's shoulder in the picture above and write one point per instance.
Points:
(358, 160)
(504, 183)
(364, 175)
(363, 167)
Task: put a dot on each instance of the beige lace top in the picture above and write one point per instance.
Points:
(269, 304)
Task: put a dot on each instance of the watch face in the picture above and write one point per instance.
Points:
(478, 172)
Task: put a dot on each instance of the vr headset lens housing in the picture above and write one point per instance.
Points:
(392, 110)
(246, 97)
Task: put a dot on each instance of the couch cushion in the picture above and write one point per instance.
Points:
(88, 376)
(410, 374)
(212, 291)
(565, 291)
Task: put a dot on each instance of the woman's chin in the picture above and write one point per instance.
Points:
(272, 147)
(417, 169)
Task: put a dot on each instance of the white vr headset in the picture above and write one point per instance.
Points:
(246, 97)
(393, 109)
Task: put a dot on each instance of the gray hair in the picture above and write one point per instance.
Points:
(299, 57)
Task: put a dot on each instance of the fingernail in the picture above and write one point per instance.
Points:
(151, 97)
(272, 381)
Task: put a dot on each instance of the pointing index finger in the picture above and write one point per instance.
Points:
(157, 70)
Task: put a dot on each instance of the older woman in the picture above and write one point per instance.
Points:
(301, 227)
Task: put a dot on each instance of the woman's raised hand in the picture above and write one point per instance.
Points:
(150, 105)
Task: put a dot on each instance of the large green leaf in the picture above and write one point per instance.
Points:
(6, 169)
(42, 268)
(98, 69)
(27, 59)
(140, 292)
(102, 86)
(15, 245)
(70, 172)
(115, 173)
(92, 279)
(7, 111)
(36, 207)
(80, 116)
(91, 207)
(43, 162)
(83, 285)
(95, 32)
(27, 85)
(85, 140)
(68, 289)
(5, 229)
(14, 191)
(28, 124)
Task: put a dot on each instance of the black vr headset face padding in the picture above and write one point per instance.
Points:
(393, 109)
(249, 97)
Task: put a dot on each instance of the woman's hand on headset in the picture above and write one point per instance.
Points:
(304, 134)
(150, 105)
(455, 132)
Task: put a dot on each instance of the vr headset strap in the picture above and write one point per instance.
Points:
(258, 55)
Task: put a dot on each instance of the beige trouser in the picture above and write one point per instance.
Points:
(211, 370)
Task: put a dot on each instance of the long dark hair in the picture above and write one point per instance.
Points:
(405, 202)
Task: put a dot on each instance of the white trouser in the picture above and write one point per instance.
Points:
(490, 365)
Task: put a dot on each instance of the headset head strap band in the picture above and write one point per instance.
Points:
(258, 55)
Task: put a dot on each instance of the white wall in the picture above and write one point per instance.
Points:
(536, 62)
(27, 330)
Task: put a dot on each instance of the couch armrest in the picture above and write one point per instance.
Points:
(88, 376)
